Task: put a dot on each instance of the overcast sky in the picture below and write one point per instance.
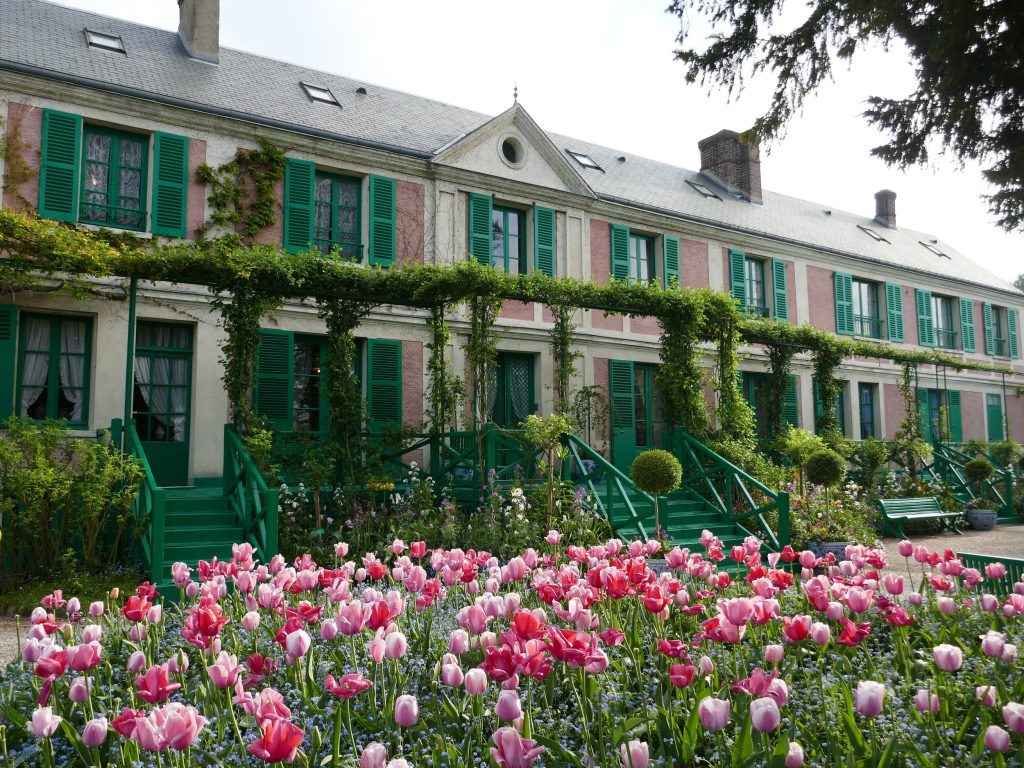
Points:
(603, 71)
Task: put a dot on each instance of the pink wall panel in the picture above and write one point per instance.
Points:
(821, 298)
(895, 409)
(29, 120)
(196, 216)
(693, 263)
(972, 414)
(645, 326)
(409, 226)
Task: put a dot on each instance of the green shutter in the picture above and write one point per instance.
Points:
(59, 161)
(670, 246)
(924, 414)
(967, 325)
(170, 184)
(791, 403)
(620, 251)
(481, 229)
(8, 358)
(986, 315)
(894, 311)
(994, 417)
(298, 205)
(1011, 332)
(383, 240)
(925, 326)
(953, 413)
(275, 377)
(844, 303)
(544, 241)
(779, 289)
(623, 421)
(738, 276)
(383, 382)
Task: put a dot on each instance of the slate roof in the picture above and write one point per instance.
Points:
(48, 39)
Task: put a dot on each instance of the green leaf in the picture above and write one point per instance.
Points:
(558, 750)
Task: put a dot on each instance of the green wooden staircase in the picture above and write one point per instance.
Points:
(948, 465)
(198, 525)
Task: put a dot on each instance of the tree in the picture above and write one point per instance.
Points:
(1019, 282)
(968, 56)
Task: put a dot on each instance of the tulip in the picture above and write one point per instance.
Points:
(44, 723)
(452, 676)
(947, 657)
(475, 682)
(511, 750)
(989, 603)
(997, 739)
(278, 743)
(347, 686)
(820, 633)
(553, 538)
(773, 654)
(92, 633)
(84, 657)
(297, 643)
(458, 643)
(374, 755)
(224, 671)
(136, 662)
(926, 701)
(180, 724)
(707, 666)
(95, 732)
(915, 598)
(398, 762)
(794, 756)
(635, 754)
(395, 645)
(80, 689)
(986, 694)
(714, 713)
(156, 613)
(993, 644)
(508, 707)
(407, 711)
(96, 609)
(764, 714)
(893, 583)
(1013, 716)
(251, 621)
(1009, 653)
(869, 698)
(155, 686)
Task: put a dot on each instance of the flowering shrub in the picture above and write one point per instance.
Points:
(846, 514)
(558, 657)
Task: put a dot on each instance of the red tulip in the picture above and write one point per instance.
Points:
(136, 608)
(279, 742)
(346, 686)
(155, 685)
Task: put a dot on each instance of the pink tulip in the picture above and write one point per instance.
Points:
(714, 713)
(224, 671)
(553, 538)
(773, 654)
(893, 583)
(136, 662)
(945, 604)
(407, 711)
(947, 657)
(794, 756)
(155, 614)
(635, 754)
(1009, 653)
(475, 682)
(181, 724)
(96, 609)
(84, 657)
(820, 633)
(377, 647)
(995, 570)
(869, 698)
(835, 611)
(858, 600)
(997, 739)
(807, 559)
(44, 723)
(737, 611)
(764, 714)
(986, 694)
(92, 633)
(915, 598)
(452, 675)
(95, 732)
(395, 645)
(905, 548)
(993, 644)
(178, 663)
(509, 706)
(398, 762)
(251, 621)
(374, 755)
(138, 633)
(989, 603)
(297, 643)
(80, 689)
(458, 643)
(926, 701)
(511, 750)
(1013, 716)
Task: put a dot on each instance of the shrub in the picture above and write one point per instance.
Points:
(1004, 452)
(826, 468)
(979, 470)
(656, 472)
(870, 456)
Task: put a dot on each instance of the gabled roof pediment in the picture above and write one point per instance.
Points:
(513, 146)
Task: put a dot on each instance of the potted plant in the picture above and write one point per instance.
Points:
(826, 469)
(656, 472)
(979, 515)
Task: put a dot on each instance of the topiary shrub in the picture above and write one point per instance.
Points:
(826, 468)
(870, 455)
(656, 472)
(979, 470)
(1004, 452)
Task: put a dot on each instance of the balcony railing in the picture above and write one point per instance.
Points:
(1000, 348)
(112, 216)
(755, 310)
(867, 325)
(349, 251)
(945, 339)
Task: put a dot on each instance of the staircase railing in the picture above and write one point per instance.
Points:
(252, 501)
(609, 486)
(149, 506)
(730, 490)
(948, 464)
(1003, 585)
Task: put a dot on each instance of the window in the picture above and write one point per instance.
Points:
(757, 302)
(161, 393)
(336, 215)
(866, 321)
(1000, 344)
(114, 178)
(54, 368)
(508, 240)
(866, 394)
(872, 234)
(931, 246)
(838, 407)
(317, 93)
(641, 258)
(105, 41)
(703, 189)
(585, 160)
(942, 319)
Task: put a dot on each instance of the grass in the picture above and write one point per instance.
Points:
(20, 597)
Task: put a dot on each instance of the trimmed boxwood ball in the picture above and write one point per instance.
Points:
(826, 468)
(656, 472)
(979, 470)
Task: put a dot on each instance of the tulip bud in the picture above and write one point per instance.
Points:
(96, 609)
(74, 605)
(297, 643)
(91, 633)
(986, 694)
(251, 621)
(80, 689)
(95, 732)
(635, 754)
(395, 645)
(509, 707)
(773, 654)
(869, 698)
(475, 682)
(374, 755)
(137, 662)
(795, 755)
(926, 701)
(452, 675)
(764, 714)
(407, 711)
(997, 739)
(713, 713)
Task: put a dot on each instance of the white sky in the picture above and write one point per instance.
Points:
(603, 71)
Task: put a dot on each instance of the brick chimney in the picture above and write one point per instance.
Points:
(199, 28)
(885, 208)
(733, 163)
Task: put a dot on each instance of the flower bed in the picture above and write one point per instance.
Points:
(558, 657)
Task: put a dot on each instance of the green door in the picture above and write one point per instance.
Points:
(162, 398)
(636, 412)
(512, 400)
(994, 416)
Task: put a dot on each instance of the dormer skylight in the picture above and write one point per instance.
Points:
(705, 191)
(585, 160)
(872, 234)
(105, 41)
(319, 93)
(932, 247)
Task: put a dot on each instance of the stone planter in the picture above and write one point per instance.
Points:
(822, 548)
(982, 519)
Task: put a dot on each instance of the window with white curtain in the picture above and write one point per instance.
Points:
(53, 368)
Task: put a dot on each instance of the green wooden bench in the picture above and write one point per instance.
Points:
(898, 512)
(1003, 586)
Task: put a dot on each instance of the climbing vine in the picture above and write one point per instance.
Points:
(445, 390)
(17, 170)
(735, 417)
(564, 352)
(482, 354)
(680, 380)
(826, 359)
(242, 189)
(780, 366)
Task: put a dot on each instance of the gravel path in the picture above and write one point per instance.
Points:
(1004, 541)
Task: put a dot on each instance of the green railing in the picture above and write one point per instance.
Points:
(149, 506)
(1003, 586)
(610, 488)
(948, 464)
(252, 501)
(728, 489)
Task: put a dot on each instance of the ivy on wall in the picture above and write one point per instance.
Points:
(242, 190)
(564, 353)
(780, 367)
(679, 379)
(445, 390)
(826, 359)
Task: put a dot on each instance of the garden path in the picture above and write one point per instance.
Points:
(1004, 541)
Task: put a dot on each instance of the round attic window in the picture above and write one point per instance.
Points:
(512, 151)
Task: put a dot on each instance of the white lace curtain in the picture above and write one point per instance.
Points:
(36, 368)
(162, 382)
(72, 365)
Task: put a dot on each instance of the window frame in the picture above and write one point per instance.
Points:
(113, 172)
(872, 391)
(1000, 325)
(505, 212)
(336, 180)
(182, 353)
(945, 321)
(635, 239)
(323, 409)
(754, 277)
(53, 369)
(867, 325)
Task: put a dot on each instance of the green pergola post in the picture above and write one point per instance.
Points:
(129, 365)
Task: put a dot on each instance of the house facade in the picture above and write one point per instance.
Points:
(107, 122)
